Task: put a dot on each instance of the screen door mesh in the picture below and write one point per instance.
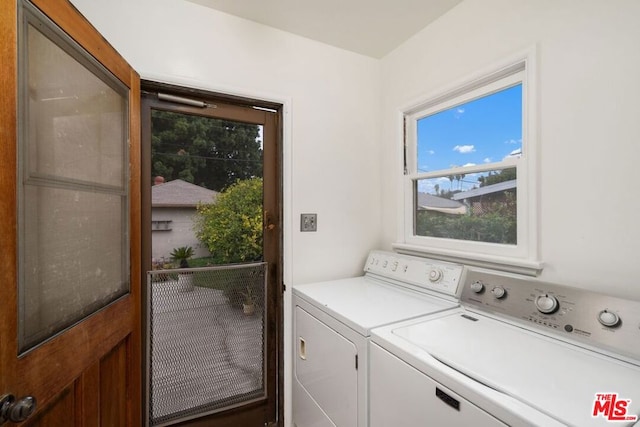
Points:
(206, 340)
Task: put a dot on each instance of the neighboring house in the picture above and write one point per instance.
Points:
(173, 208)
(482, 200)
(429, 202)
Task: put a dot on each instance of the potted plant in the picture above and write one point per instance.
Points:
(182, 255)
(249, 302)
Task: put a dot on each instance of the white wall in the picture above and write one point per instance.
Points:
(180, 233)
(588, 129)
(331, 119)
(333, 109)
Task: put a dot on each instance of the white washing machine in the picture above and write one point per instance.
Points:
(332, 324)
(518, 352)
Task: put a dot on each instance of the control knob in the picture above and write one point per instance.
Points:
(499, 292)
(477, 286)
(547, 304)
(608, 318)
(435, 275)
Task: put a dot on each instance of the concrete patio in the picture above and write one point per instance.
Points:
(205, 354)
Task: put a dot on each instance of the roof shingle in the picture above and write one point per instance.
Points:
(179, 193)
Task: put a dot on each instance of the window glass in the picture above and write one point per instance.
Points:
(464, 204)
(73, 191)
(477, 207)
(484, 130)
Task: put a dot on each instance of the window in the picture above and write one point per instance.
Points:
(73, 188)
(164, 225)
(469, 164)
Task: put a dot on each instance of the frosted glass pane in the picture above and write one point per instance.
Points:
(73, 191)
(77, 128)
(73, 263)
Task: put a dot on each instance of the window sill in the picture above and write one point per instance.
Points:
(519, 266)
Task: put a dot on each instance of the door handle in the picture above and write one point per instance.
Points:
(302, 349)
(14, 410)
(268, 221)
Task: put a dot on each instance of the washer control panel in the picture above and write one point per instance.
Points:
(416, 272)
(596, 319)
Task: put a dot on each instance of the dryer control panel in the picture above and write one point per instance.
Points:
(415, 272)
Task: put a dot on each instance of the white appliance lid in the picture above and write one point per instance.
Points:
(558, 379)
(363, 303)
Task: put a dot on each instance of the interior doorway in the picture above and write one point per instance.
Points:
(211, 222)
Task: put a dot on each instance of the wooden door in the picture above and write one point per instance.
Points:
(70, 207)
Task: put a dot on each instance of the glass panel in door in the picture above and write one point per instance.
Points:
(73, 204)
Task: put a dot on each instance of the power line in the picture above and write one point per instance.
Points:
(207, 157)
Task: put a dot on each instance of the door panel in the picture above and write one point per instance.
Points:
(113, 397)
(57, 412)
(402, 396)
(325, 363)
(87, 371)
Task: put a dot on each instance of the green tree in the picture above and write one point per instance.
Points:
(500, 176)
(231, 227)
(212, 153)
(494, 227)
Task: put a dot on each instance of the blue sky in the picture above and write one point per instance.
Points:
(485, 130)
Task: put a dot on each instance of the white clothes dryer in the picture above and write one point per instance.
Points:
(332, 324)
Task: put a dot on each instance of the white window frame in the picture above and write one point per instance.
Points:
(522, 257)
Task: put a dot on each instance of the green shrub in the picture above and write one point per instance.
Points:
(231, 227)
(181, 255)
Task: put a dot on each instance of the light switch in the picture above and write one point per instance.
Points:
(308, 222)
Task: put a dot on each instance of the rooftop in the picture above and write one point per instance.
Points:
(179, 193)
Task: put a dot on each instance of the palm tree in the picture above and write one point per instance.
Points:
(182, 254)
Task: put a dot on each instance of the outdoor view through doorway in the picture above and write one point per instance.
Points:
(208, 287)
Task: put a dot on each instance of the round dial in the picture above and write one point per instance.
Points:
(498, 292)
(547, 304)
(608, 318)
(477, 286)
(435, 274)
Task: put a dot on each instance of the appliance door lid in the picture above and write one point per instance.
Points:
(363, 303)
(556, 378)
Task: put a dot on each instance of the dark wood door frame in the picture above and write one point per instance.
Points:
(273, 223)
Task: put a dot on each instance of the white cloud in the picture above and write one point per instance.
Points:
(468, 164)
(464, 149)
(431, 152)
(487, 160)
(513, 141)
(459, 112)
